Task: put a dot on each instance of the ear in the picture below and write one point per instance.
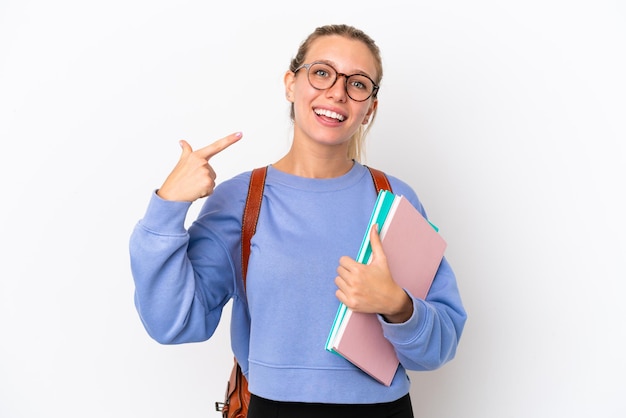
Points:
(371, 110)
(289, 80)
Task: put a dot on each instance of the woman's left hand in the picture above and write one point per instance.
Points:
(370, 288)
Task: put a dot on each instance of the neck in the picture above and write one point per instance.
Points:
(314, 166)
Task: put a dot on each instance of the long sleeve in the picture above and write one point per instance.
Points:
(179, 296)
(430, 337)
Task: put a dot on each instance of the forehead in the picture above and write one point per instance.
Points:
(347, 55)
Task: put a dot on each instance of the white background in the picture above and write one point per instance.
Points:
(508, 118)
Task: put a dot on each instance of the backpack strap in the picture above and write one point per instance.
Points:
(251, 215)
(253, 208)
(380, 179)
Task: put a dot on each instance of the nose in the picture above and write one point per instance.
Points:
(338, 90)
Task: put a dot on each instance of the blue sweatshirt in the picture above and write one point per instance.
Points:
(280, 323)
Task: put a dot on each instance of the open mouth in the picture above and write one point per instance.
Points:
(330, 114)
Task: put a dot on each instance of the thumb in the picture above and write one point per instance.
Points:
(185, 147)
(376, 243)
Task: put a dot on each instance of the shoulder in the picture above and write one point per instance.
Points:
(235, 184)
(228, 196)
(401, 187)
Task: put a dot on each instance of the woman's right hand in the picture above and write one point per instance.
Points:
(193, 177)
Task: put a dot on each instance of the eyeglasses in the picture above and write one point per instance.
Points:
(322, 76)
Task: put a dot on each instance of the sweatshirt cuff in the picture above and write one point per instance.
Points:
(165, 217)
(405, 332)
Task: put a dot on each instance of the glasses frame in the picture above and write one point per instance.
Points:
(337, 75)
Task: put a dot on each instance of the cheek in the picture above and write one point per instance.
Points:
(299, 110)
(302, 96)
(361, 114)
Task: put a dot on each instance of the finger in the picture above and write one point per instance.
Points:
(341, 297)
(219, 145)
(339, 281)
(375, 242)
(342, 289)
(212, 173)
(185, 146)
(342, 271)
(347, 263)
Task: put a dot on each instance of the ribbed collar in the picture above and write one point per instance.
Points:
(347, 180)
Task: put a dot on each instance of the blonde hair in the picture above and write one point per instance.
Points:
(356, 146)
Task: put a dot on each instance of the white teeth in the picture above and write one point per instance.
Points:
(329, 114)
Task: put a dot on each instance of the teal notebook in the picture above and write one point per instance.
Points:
(383, 203)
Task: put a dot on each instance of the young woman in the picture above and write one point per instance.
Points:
(316, 203)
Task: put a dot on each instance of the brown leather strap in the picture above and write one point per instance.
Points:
(380, 180)
(251, 215)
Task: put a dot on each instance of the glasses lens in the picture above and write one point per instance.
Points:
(322, 76)
(359, 87)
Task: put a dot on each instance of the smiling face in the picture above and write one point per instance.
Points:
(329, 117)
